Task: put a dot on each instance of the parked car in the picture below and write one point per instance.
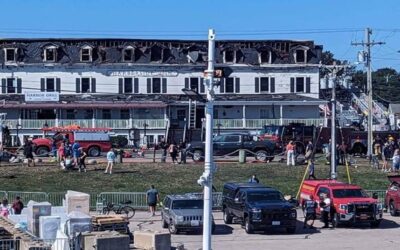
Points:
(392, 198)
(351, 204)
(228, 143)
(183, 213)
(258, 207)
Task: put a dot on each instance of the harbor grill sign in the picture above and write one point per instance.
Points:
(42, 96)
(137, 73)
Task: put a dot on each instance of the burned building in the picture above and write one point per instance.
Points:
(132, 83)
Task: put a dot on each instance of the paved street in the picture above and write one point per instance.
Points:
(233, 237)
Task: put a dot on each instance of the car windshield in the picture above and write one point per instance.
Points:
(264, 197)
(349, 193)
(271, 130)
(187, 204)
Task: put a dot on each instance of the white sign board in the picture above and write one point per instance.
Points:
(42, 96)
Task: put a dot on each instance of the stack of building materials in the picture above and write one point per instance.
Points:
(48, 226)
(78, 222)
(117, 223)
(152, 240)
(35, 210)
(108, 240)
(77, 202)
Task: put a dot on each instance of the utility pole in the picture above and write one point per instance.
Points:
(367, 54)
(206, 178)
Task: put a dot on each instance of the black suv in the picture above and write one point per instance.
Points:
(258, 207)
(228, 143)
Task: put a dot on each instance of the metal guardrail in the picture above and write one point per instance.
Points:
(27, 196)
(138, 199)
(216, 199)
(381, 194)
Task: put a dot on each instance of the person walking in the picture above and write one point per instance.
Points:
(342, 151)
(311, 169)
(17, 205)
(61, 155)
(28, 153)
(76, 153)
(254, 179)
(325, 206)
(386, 155)
(110, 161)
(173, 151)
(310, 213)
(152, 198)
(309, 151)
(396, 161)
(82, 158)
(290, 153)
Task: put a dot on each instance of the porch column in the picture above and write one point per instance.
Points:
(94, 118)
(244, 117)
(57, 117)
(130, 122)
(281, 114)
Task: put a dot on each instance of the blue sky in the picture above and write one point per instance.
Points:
(334, 24)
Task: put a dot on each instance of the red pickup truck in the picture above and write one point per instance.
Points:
(350, 203)
(92, 140)
(392, 198)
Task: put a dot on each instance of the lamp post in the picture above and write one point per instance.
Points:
(19, 126)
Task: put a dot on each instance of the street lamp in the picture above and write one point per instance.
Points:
(19, 126)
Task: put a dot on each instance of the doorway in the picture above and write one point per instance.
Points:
(200, 115)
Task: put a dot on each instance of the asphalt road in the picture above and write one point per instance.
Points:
(233, 237)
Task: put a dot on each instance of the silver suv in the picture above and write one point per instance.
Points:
(183, 213)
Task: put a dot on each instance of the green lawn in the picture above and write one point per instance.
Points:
(170, 178)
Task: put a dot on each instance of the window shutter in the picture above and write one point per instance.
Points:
(3, 86)
(149, 85)
(237, 85)
(58, 84)
(136, 85)
(272, 81)
(78, 85)
(120, 85)
(186, 83)
(222, 86)
(292, 85)
(42, 84)
(257, 85)
(202, 87)
(19, 85)
(93, 90)
(308, 84)
(164, 85)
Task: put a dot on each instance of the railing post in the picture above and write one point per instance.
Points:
(244, 117)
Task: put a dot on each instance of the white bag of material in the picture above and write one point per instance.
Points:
(77, 201)
(48, 227)
(61, 242)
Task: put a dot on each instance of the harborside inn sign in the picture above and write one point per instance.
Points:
(42, 96)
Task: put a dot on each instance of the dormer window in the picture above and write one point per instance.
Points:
(301, 56)
(229, 56)
(265, 56)
(86, 54)
(50, 54)
(128, 54)
(10, 55)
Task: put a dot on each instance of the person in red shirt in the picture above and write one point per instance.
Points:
(290, 153)
(17, 205)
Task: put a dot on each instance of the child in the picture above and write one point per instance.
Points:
(4, 208)
(82, 158)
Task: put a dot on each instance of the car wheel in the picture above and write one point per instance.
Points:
(172, 228)
(262, 155)
(291, 230)
(247, 226)
(94, 152)
(335, 220)
(392, 209)
(375, 224)
(198, 156)
(42, 151)
(164, 224)
(227, 216)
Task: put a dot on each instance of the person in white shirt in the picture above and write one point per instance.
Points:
(325, 206)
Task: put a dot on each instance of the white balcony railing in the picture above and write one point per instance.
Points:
(228, 123)
(36, 124)
(115, 124)
(259, 123)
(84, 123)
(151, 123)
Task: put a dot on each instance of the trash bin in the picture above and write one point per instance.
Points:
(242, 156)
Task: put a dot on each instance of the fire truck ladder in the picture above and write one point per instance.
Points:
(192, 114)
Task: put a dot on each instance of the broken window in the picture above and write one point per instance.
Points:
(156, 86)
(128, 54)
(265, 57)
(50, 54)
(50, 85)
(10, 55)
(11, 85)
(85, 85)
(229, 56)
(301, 56)
(264, 84)
(86, 54)
(299, 84)
(128, 85)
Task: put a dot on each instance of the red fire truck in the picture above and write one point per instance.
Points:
(92, 140)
